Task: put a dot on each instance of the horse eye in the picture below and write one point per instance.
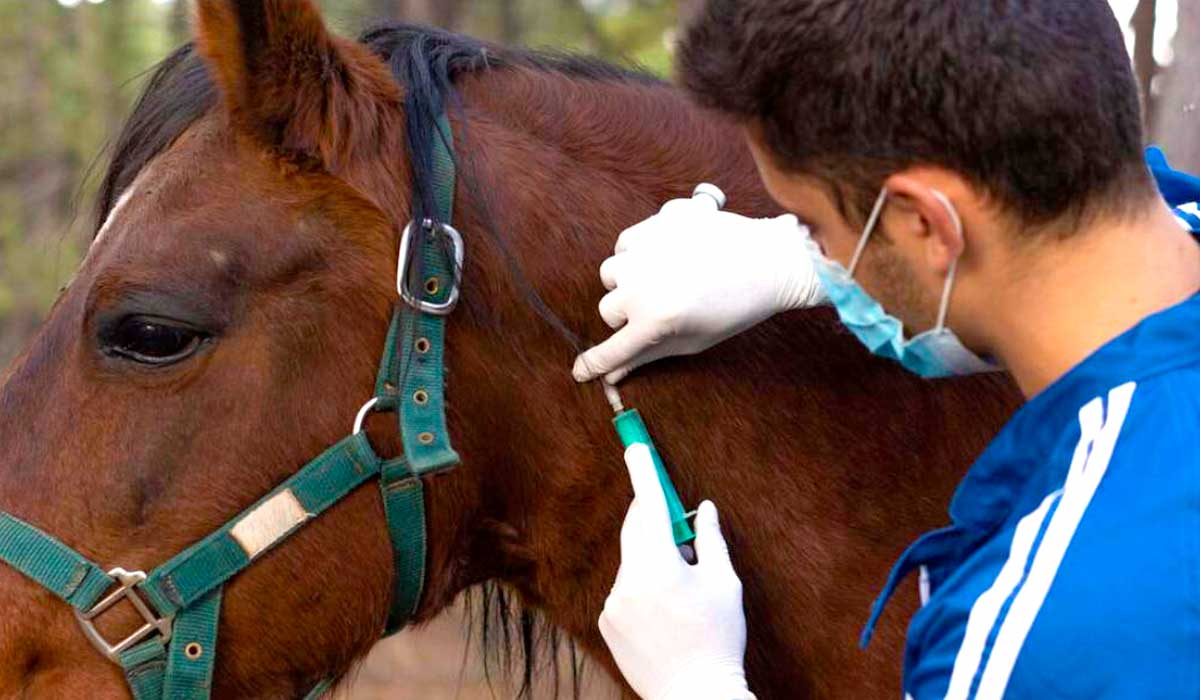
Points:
(152, 341)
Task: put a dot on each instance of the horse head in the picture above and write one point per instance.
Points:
(233, 302)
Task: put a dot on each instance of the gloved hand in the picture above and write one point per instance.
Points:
(690, 277)
(677, 631)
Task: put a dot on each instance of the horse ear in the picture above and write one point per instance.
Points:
(287, 81)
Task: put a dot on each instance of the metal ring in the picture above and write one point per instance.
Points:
(363, 413)
(402, 285)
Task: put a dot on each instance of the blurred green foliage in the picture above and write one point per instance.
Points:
(68, 75)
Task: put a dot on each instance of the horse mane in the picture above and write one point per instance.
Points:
(426, 62)
(178, 93)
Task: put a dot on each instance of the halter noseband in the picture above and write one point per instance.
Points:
(172, 654)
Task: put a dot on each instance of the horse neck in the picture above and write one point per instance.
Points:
(564, 166)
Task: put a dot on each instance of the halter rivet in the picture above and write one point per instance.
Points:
(425, 438)
(193, 651)
(423, 345)
(420, 397)
(433, 285)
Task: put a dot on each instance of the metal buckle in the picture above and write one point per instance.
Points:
(402, 284)
(126, 581)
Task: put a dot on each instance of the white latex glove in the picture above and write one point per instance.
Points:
(690, 277)
(676, 631)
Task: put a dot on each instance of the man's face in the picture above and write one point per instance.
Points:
(886, 270)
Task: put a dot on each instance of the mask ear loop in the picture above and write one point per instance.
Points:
(944, 309)
(872, 220)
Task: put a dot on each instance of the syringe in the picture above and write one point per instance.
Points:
(632, 429)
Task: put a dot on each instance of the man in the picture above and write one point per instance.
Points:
(972, 173)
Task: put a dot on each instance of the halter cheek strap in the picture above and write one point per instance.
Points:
(173, 653)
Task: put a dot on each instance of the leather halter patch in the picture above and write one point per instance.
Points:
(270, 522)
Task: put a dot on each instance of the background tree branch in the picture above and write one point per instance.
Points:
(1143, 23)
(1177, 120)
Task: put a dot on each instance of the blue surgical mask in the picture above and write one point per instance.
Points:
(932, 354)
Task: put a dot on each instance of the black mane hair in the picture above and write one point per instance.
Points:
(178, 93)
(426, 62)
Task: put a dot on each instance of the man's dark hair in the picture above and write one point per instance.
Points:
(1034, 101)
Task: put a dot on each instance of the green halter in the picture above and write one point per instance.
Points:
(172, 655)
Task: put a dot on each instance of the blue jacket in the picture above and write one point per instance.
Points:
(1072, 565)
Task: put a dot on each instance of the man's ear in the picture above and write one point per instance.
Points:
(933, 218)
(289, 83)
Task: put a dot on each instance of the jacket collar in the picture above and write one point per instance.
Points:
(1160, 343)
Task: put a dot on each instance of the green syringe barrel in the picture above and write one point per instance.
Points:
(632, 431)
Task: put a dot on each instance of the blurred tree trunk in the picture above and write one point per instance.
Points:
(43, 169)
(1143, 24)
(511, 29)
(387, 9)
(449, 13)
(442, 13)
(115, 21)
(596, 38)
(1178, 121)
(177, 23)
(688, 9)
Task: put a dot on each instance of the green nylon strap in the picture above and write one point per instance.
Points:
(145, 666)
(387, 380)
(423, 421)
(444, 173)
(412, 382)
(193, 650)
(183, 669)
(51, 563)
(419, 361)
(404, 504)
(211, 562)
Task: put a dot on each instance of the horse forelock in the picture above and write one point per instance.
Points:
(178, 93)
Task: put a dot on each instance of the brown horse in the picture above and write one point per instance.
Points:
(229, 317)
